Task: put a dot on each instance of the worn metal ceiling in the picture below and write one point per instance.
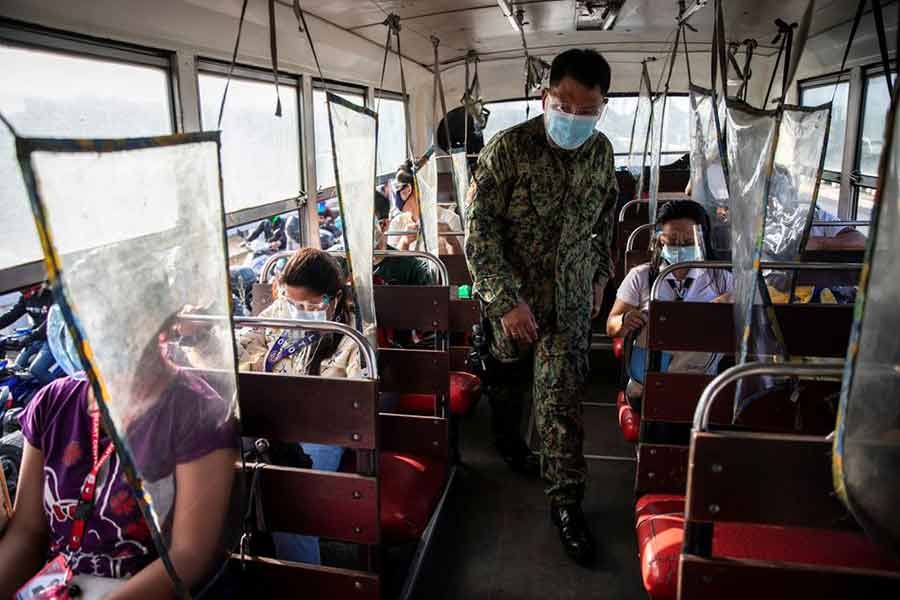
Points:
(643, 26)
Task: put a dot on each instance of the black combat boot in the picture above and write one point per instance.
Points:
(518, 456)
(574, 534)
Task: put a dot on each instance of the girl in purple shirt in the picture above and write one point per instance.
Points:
(191, 453)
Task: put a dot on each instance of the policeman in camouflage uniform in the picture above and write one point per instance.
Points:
(539, 225)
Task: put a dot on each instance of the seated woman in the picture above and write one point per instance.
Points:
(676, 243)
(190, 438)
(405, 215)
(311, 287)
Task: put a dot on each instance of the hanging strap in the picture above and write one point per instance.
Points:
(312, 47)
(634, 121)
(717, 42)
(882, 45)
(466, 110)
(750, 45)
(273, 48)
(237, 43)
(393, 24)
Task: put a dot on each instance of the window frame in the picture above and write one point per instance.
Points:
(824, 81)
(856, 77)
(36, 37)
(211, 66)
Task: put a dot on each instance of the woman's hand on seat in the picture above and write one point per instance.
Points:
(632, 320)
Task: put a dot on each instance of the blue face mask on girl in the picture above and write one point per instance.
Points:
(679, 254)
(569, 131)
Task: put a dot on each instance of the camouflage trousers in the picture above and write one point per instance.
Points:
(552, 374)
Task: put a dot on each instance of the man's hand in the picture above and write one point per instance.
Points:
(519, 324)
(598, 300)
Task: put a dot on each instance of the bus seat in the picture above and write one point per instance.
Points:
(660, 533)
(465, 391)
(629, 419)
(410, 488)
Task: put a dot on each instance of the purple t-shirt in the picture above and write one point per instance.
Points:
(117, 541)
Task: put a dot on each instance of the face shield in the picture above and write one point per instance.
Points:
(128, 293)
(353, 141)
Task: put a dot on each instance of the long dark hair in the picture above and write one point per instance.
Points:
(320, 272)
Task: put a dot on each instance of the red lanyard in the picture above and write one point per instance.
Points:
(89, 487)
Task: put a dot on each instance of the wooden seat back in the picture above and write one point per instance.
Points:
(669, 399)
(770, 480)
(340, 506)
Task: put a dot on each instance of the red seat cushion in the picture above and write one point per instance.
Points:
(660, 533)
(629, 419)
(410, 488)
(416, 404)
(465, 391)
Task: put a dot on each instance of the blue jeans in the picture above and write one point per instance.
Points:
(41, 361)
(305, 548)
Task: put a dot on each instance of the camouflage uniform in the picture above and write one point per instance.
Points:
(538, 229)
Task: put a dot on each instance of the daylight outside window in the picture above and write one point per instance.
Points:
(391, 135)
(260, 152)
(99, 99)
(822, 94)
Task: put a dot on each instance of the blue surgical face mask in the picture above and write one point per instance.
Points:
(679, 254)
(569, 131)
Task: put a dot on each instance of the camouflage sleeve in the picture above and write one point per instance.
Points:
(603, 228)
(491, 273)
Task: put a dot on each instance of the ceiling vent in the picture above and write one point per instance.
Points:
(597, 15)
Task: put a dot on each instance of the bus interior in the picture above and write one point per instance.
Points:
(187, 150)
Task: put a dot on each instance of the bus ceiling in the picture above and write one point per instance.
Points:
(351, 34)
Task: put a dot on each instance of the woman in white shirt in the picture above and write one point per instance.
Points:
(676, 243)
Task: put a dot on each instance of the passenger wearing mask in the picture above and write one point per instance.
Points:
(405, 215)
(189, 437)
(683, 237)
(311, 287)
(35, 355)
(539, 223)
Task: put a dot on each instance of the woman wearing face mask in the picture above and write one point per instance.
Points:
(683, 237)
(310, 288)
(405, 215)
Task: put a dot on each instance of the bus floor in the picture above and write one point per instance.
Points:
(496, 540)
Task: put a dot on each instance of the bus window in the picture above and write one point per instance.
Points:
(102, 98)
(260, 152)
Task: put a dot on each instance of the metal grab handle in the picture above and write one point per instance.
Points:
(767, 265)
(626, 206)
(729, 376)
(270, 264)
(632, 238)
(438, 263)
(365, 348)
(842, 223)
(691, 264)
